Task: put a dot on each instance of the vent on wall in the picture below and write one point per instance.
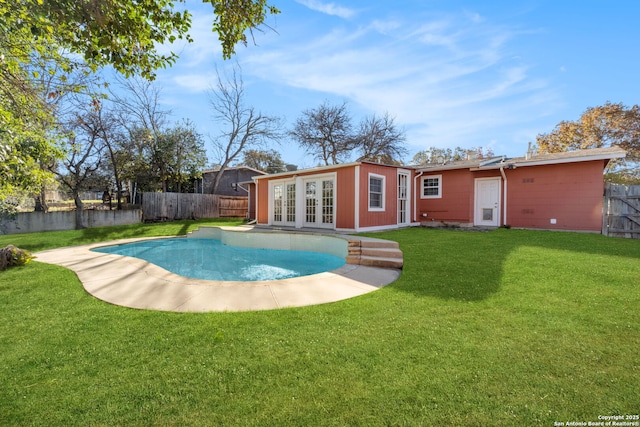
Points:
(528, 180)
(528, 211)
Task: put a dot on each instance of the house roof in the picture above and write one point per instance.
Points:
(606, 153)
(495, 162)
(320, 169)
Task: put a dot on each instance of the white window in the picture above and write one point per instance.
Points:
(376, 192)
(431, 187)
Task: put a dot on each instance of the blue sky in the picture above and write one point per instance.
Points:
(452, 73)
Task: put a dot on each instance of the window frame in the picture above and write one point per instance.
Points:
(439, 187)
(383, 185)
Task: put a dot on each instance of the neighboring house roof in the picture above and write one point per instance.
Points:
(606, 153)
(233, 168)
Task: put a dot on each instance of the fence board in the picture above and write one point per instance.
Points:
(621, 216)
(174, 206)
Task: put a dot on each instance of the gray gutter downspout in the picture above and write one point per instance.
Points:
(504, 176)
(415, 201)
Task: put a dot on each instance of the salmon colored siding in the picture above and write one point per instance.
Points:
(456, 203)
(569, 193)
(262, 214)
(345, 198)
(389, 215)
(252, 200)
(547, 195)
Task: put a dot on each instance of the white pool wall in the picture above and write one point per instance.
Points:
(255, 238)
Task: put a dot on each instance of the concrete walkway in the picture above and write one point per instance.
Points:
(131, 282)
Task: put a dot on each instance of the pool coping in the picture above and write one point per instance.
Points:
(135, 283)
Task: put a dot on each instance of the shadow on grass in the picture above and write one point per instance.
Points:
(469, 265)
(173, 228)
(36, 242)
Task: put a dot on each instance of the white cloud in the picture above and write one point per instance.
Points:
(328, 8)
(193, 83)
(450, 80)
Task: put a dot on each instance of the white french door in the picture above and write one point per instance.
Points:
(403, 198)
(283, 210)
(319, 202)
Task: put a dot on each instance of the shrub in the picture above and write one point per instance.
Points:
(10, 256)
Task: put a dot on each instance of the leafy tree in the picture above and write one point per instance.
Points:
(64, 35)
(268, 161)
(242, 126)
(186, 153)
(602, 126)
(27, 105)
(135, 155)
(380, 141)
(126, 33)
(443, 155)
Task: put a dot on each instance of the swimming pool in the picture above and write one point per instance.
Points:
(210, 259)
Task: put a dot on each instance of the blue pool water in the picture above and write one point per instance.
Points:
(209, 259)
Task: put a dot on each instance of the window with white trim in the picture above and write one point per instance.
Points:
(431, 187)
(376, 192)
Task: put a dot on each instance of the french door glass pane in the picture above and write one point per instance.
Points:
(291, 202)
(310, 201)
(327, 202)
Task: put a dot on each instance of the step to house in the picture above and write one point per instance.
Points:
(375, 253)
(381, 252)
(381, 262)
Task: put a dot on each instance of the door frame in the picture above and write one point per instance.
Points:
(407, 199)
(302, 208)
(272, 202)
(300, 201)
(477, 209)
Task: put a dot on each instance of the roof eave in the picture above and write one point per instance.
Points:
(542, 162)
(307, 171)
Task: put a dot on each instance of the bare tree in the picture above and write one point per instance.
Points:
(325, 132)
(137, 109)
(84, 146)
(380, 141)
(138, 104)
(243, 127)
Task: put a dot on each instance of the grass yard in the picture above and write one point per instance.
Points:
(500, 328)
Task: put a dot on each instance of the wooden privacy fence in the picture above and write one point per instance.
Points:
(171, 206)
(621, 216)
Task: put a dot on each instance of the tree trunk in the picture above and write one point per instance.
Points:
(78, 202)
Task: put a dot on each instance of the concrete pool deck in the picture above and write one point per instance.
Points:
(135, 283)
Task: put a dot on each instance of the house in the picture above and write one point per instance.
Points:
(552, 191)
(561, 191)
(231, 181)
(350, 197)
(234, 182)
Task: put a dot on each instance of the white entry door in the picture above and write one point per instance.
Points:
(487, 204)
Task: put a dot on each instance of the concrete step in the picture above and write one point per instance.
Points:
(373, 243)
(377, 262)
(375, 253)
(381, 252)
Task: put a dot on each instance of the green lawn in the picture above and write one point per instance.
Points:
(500, 328)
